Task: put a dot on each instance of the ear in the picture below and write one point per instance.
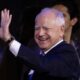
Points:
(62, 31)
(74, 21)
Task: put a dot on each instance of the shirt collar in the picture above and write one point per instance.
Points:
(53, 46)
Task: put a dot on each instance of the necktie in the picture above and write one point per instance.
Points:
(42, 53)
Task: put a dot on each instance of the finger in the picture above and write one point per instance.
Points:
(5, 10)
(2, 13)
(9, 21)
(5, 13)
(10, 17)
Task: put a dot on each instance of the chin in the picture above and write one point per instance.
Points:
(43, 47)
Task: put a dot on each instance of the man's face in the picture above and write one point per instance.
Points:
(47, 33)
(66, 14)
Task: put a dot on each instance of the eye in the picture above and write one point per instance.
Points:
(46, 28)
(37, 28)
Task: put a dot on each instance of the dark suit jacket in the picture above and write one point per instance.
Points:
(59, 63)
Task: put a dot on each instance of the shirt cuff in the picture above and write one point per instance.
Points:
(14, 47)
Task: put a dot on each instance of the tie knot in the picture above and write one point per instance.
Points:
(42, 53)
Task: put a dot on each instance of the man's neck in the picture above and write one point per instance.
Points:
(67, 36)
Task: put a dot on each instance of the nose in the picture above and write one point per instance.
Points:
(41, 32)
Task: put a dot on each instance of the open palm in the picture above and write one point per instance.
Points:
(5, 22)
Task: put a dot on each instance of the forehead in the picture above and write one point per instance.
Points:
(45, 17)
(46, 21)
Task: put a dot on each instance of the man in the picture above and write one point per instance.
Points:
(59, 60)
(70, 13)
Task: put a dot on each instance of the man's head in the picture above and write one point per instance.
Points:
(49, 28)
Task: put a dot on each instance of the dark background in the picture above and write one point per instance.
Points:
(22, 27)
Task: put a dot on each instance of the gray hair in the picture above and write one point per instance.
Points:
(58, 14)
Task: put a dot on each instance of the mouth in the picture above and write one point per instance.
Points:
(43, 39)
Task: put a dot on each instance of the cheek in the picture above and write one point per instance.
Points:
(35, 34)
(35, 37)
(56, 34)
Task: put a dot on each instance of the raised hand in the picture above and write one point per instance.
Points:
(5, 23)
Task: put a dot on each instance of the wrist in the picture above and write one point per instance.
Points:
(7, 37)
(9, 40)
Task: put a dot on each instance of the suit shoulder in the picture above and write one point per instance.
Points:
(67, 46)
